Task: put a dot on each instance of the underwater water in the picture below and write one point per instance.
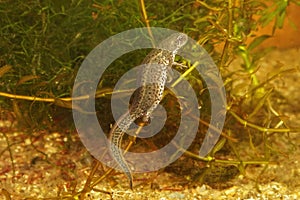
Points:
(42, 46)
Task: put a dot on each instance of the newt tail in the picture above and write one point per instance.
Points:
(116, 136)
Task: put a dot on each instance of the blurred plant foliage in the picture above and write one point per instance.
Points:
(44, 42)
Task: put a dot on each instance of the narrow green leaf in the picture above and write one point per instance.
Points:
(24, 79)
(257, 41)
(5, 69)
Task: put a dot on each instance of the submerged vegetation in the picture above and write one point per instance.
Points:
(43, 44)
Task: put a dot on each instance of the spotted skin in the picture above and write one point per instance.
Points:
(148, 96)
